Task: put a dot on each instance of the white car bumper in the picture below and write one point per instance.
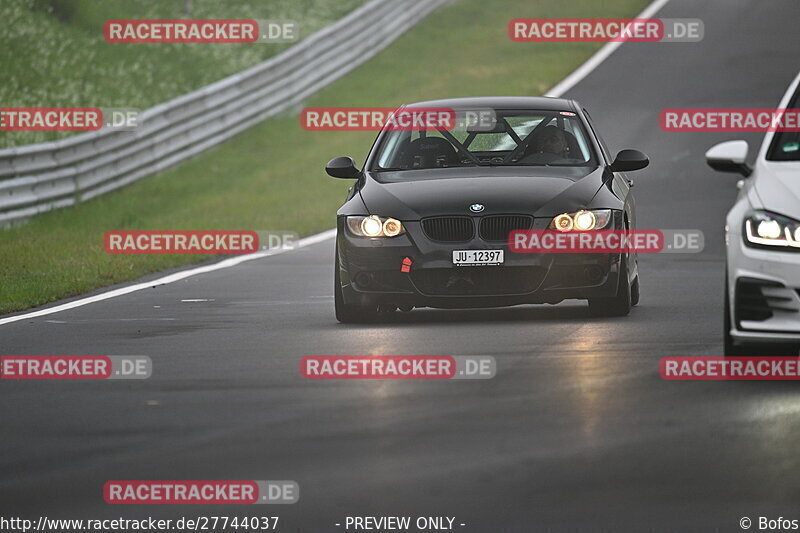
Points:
(763, 289)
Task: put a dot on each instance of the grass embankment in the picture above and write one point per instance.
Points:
(271, 177)
(52, 52)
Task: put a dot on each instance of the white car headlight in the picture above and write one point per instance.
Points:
(762, 229)
(583, 220)
(374, 226)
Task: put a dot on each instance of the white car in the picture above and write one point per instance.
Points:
(762, 233)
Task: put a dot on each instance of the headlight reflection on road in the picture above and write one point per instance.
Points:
(771, 430)
(593, 376)
(381, 389)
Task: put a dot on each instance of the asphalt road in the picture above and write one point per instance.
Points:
(577, 432)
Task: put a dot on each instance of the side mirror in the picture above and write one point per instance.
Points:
(342, 167)
(729, 156)
(629, 160)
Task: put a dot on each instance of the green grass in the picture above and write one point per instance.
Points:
(53, 54)
(271, 177)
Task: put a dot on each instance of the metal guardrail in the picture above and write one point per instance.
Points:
(41, 177)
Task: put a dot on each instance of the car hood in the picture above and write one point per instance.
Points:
(539, 191)
(778, 187)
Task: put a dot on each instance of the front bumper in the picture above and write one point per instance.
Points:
(370, 272)
(764, 291)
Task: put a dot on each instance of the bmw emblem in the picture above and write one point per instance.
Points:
(476, 208)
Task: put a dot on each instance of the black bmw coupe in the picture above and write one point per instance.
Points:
(427, 221)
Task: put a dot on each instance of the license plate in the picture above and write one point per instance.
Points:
(477, 257)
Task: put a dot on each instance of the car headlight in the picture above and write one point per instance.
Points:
(583, 220)
(375, 226)
(762, 228)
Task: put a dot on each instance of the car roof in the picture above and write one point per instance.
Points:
(503, 102)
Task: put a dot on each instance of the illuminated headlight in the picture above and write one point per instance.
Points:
(371, 227)
(562, 223)
(762, 228)
(583, 220)
(374, 226)
(769, 229)
(392, 227)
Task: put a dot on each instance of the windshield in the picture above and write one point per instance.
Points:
(786, 144)
(785, 147)
(508, 138)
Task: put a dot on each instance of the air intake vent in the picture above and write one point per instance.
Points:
(449, 229)
(477, 281)
(497, 227)
(751, 302)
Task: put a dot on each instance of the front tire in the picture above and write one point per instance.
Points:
(635, 291)
(619, 305)
(349, 313)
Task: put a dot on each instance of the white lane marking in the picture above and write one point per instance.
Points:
(172, 278)
(190, 300)
(566, 84)
(601, 55)
(95, 320)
